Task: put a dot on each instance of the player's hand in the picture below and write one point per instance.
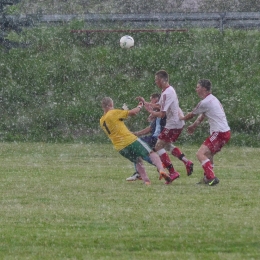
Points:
(125, 107)
(148, 107)
(140, 99)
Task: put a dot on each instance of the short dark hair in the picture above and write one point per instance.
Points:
(205, 83)
(163, 75)
(156, 95)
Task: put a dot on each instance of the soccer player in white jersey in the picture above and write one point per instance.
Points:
(168, 106)
(209, 107)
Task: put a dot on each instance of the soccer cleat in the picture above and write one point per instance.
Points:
(147, 183)
(173, 176)
(165, 176)
(189, 168)
(213, 181)
(136, 176)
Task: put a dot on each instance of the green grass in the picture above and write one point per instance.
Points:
(71, 201)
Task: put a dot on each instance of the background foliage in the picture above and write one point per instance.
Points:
(51, 91)
(144, 6)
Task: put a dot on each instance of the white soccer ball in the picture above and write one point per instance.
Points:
(127, 42)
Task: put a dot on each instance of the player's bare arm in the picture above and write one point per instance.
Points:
(135, 110)
(147, 105)
(187, 117)
(160, 114)
(197, 122)
(144, 131)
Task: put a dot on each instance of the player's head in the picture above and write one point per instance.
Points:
(154, 98)
(107, 103)
(161, 78)
(205, 83)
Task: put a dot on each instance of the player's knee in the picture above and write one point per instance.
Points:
(199, 155)
(139, 160)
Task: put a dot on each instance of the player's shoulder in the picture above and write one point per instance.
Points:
(171, 88)
(210, 98)
(169, 91)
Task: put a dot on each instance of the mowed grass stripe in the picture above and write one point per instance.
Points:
(71, 201)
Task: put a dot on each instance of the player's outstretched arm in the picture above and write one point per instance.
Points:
(186, 117)
(135, 110)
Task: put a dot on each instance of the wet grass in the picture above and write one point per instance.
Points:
(71, 201)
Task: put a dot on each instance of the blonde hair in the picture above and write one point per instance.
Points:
(106, 102)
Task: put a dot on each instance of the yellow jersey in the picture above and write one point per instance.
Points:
(113, 125)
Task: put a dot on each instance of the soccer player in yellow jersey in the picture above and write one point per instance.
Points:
(126, 143)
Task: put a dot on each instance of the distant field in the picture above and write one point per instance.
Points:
(71, 201)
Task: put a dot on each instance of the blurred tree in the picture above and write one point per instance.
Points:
(137, 6)
(8, 24)
(249, 6)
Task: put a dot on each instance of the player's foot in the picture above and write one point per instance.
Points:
(213, 181)
(147, 183)
(164, 175)
(134, 177)
(189, 168)
(173, 176)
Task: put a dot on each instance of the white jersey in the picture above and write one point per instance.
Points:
(213, 110)
(170, 104)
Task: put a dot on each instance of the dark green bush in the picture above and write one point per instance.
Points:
(51, 91)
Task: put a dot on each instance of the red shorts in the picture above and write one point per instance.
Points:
(170, 135)
(217, 140)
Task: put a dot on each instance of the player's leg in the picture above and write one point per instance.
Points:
(131, 152)
(151, 141)
(208, 149)
(175, 151)
(203, 155)
(145, 149)
(159, 147)
(141, 170)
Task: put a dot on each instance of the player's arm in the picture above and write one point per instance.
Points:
(147, 105)
(160, 114)
(135, 110)
(187, 117)
(144, 131)
(197, 122)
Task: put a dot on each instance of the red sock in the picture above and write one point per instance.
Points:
(167, 162)
(208, 170)
(176, 152)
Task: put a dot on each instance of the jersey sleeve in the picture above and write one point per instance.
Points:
(122, 114)
(199, 109)
(165, 102)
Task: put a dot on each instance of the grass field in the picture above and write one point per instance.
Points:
(71, 201)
